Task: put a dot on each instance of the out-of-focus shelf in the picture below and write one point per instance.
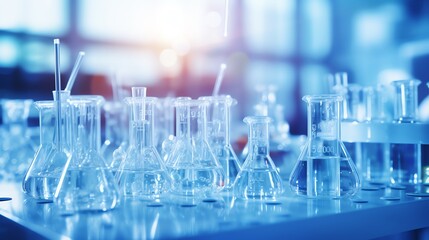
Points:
(374, 212)
(386, 132)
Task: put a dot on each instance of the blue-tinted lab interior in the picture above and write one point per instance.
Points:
(275, 53)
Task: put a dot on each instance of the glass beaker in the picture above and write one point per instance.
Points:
(218, 135)
(405, 158)
(43, 175)
(324, 168)
(86, 183)
(17, 150)
(258, 178)
(194, 169)
(142, 173)
(375, 156)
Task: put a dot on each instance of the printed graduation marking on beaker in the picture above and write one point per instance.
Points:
(3, 199)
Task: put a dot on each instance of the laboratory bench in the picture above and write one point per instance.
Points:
(375, 211)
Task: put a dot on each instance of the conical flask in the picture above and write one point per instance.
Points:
(258, 178)
(218, 135)
(86, 183)
(324, 168)
(43, 175)
(142, 174)
(194, 169)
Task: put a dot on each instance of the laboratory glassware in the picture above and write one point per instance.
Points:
(43, 175)
(324, 168)
(218, 135)
(375, 156)
(86, 183)
(142, 174)
(193, 167)
(282, 146)
(17, 150)
(405, 158)
(114, 130)
(258, 178)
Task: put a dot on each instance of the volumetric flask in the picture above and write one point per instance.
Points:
(218, 135)
(86, 183)
(16, 149)
(194, 169)
(324, 168)
(258, 178)
(43, 175)
(405, 158)
(142, 174)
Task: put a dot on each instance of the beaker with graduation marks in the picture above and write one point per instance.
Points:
(324, 167)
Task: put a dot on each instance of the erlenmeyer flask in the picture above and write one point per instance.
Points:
(258, 178)
(192, 164)
(86, 183)
(43, 175)
(218, 135)
(17, 150)
(324, 168)
(142, 173)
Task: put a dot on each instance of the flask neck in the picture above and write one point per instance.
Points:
(259, 139)
(141, 134)
(87, 126)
